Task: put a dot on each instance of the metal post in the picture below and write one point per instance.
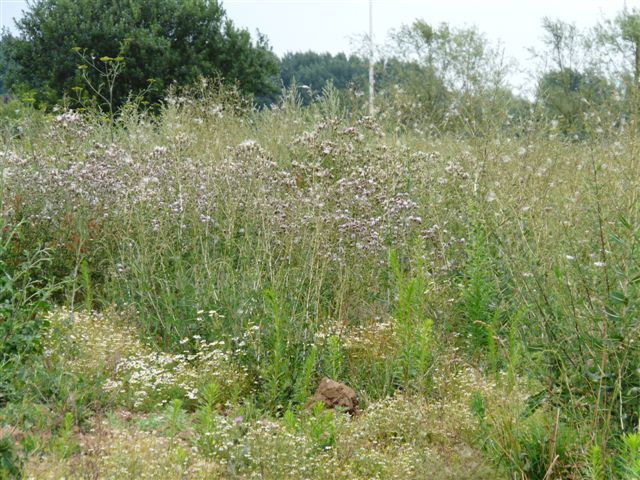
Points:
(371, 60)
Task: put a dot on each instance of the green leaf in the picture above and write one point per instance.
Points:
(625, 223)
(618, 298)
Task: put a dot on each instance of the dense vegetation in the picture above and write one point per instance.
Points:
(151, 44)
(175, 281)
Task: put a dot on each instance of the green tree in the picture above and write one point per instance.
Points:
(621, 37)
(565, 45)
(415, 93)
(570, 87)
(568, 96)
(163, 42)
(452, 78)
(462, 58)
(619, 40)
(314, 70)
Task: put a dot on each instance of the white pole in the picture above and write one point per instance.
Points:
(371, 61)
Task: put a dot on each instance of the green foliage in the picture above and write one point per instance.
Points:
(629, 457)
(9, 461)
(414, 356)
(462, 58)
(159, 41)
(65, 444)
(445, 78)
(621, 38)
(530, 446)
(515, 349)
(601, 363)
(321, 428)
(24, 298)
(569, 96)
(416, 92)
(211, 396)
(572, 89)
(304, 381)
(107, 70)
(312, 71)
(277, 370)
(317, 424)
(596, 464)
(623, 462)
(176, 417)
(479, 302)
(85, 273)
(334, 358)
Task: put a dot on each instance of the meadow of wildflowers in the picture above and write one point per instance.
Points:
(206, 267)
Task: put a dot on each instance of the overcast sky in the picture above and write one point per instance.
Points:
(331, 25)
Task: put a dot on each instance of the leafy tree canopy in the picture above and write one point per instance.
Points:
(162, 42)
(315, 70)
(621, 38)
(462, 58)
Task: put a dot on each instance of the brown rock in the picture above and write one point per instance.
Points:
(335, 395)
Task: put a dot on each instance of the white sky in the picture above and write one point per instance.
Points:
(330, 25)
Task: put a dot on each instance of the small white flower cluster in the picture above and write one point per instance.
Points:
(68, 118)
(376, 339)
(134, 374)
(155, 378)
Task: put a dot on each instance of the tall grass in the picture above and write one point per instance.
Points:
(332, 245)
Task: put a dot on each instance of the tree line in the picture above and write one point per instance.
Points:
(440, 76)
